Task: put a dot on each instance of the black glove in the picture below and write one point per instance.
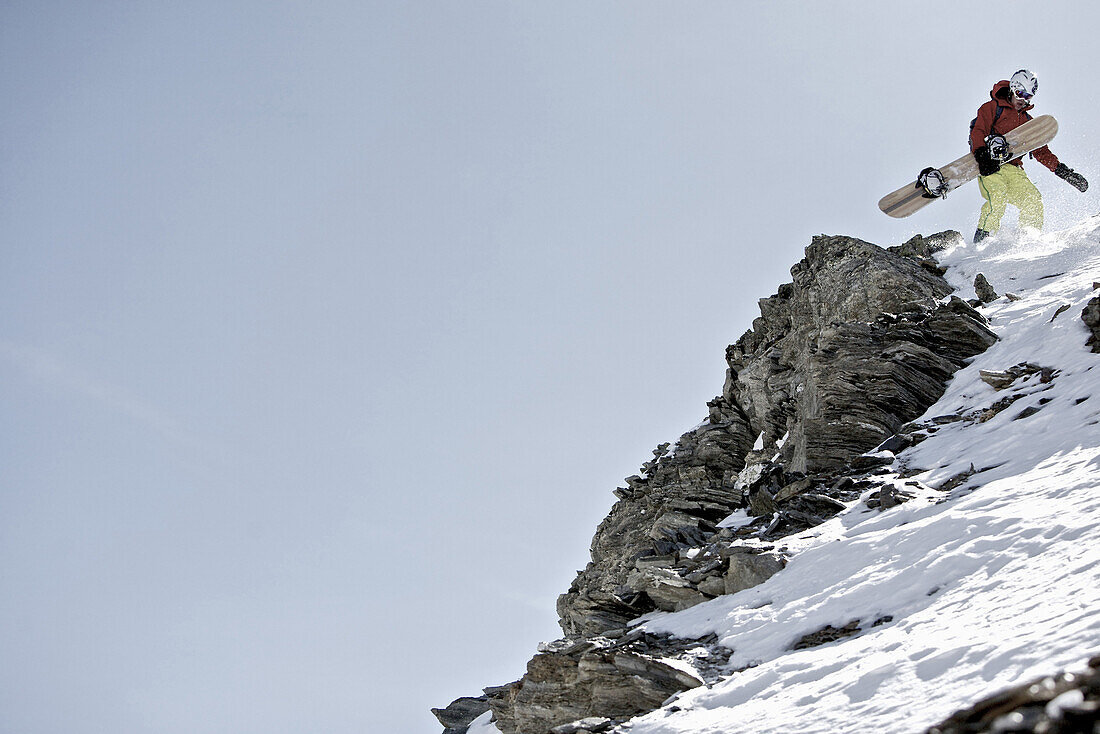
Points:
(986, 165)
(1075, 179)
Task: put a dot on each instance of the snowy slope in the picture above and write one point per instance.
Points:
(959, 592)
(991, 583)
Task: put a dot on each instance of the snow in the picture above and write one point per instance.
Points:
(1068, 699)
(959, 594)
(738, 519)
(483, 725)
(748, 475)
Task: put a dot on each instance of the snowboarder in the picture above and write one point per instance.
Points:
(1008, 184)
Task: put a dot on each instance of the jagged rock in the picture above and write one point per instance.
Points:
(457, 716)
(827, 634)
(888, 496)
(793, 489)
(713, 586)
(896, 443)
(873, 460)
(921, 249)
(958, 480)
(997, 379)
(1003, 379)
(813, 503)
(703, 567)
(592, 611)
(861, 342)
(924, 248)
(680, 527)
(1091, 316)
(658, 453)
(596, 680)
(983, 289)
(997, 407)
(771, 490)
(761, 502)
(678, 506)
(655, 562)
(795, 507)
(667, 590)
(857, 323)
(748, 569)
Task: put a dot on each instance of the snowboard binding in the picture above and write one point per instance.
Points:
(999, 150)
(933, 183)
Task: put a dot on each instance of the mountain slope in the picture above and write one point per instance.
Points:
(982, 572)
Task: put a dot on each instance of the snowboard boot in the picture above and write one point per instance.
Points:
(980, 235)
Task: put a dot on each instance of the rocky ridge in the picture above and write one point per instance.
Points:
(819, 396)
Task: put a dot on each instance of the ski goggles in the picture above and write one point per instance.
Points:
(1021, 94)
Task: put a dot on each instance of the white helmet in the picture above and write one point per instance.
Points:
(1024, 85)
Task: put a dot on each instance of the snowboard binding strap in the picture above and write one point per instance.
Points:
(933, 183)
(998, 148)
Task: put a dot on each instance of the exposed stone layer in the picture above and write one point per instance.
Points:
(861, 342)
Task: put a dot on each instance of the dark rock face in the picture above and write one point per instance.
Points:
(859, 344)
(1029, 708)
(1091, 317)
(747, 569)
(854, 348)
(676, 507)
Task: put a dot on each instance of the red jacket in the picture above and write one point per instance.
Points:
(1010, 119)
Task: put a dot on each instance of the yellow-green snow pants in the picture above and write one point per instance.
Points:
(1010, 185)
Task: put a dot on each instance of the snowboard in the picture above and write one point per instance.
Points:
(910, 198)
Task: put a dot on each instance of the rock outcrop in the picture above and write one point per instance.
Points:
(457, 716)
(596, 679)
(858, 345)
(861, 342)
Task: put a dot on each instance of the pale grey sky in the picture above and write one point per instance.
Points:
(329, 327)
